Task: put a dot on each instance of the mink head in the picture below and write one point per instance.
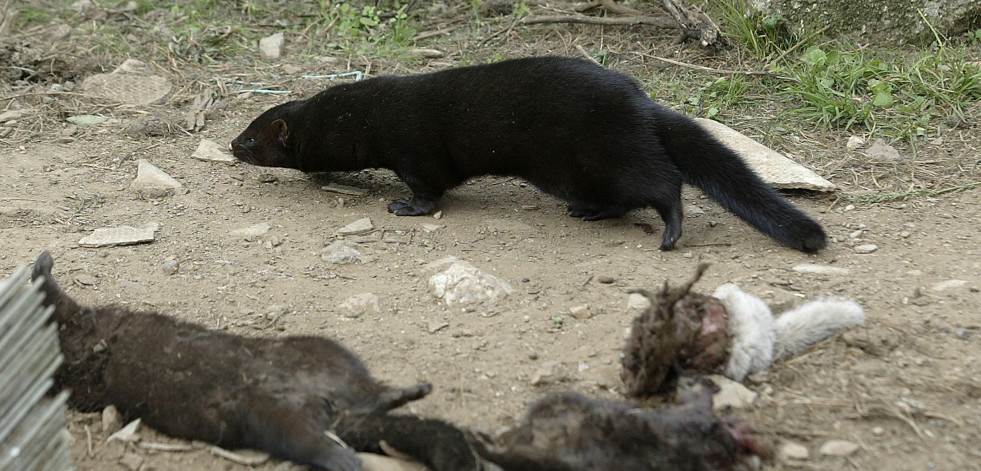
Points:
(267, 141)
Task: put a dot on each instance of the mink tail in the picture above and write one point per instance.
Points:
(710, 165)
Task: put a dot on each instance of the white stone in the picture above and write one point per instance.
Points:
(854, 142)
(882, 152)
(359, 305)
(945, 285)
(820, 269)
(772, 166)
(463, 283)
(373, 462)
(252, 232)
(790, 451)
(151, 182)
(271, 47)
(839, 448)
(637, 303)
(731, 394)
(340, 253)
(580, 312)
(122, 235)
(550, 372)
(127, 433)
(361, 226)
(866, 248)
(211, 151)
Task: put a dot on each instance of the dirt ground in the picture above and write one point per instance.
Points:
(906, 388)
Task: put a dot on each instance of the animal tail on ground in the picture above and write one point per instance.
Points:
(717, 170)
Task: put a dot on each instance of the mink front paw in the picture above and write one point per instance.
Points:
(341, 460)
(411, 207)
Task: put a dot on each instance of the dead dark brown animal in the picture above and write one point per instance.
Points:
(680, 331)
(280, 395)
(569, 432)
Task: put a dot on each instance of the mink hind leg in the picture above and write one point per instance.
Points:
(437, 444)
(280, 431)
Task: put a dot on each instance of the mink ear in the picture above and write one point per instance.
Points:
(282, 130)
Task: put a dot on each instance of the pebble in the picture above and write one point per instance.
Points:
(839, 448)
(854, 142)
(170, 267)
(882, 152)
(905, 234)
(268, 178)
(549, 372)
(866, 248)
(963, 333)
(436, 326)
(271, 47)
(359, 305)
(131, 461)
(731, 394)
(877, 430)
(122, 235)
(112, 421)
(438, 215)
(463, 283)
(426, 227)
(580, 312)
(606, 279)
(341, 252)
(151, 182)
(945, 285)
(637, 303)
(820, 269)
(361, 226)
(252, 232)
(790, 451)
(211, 151)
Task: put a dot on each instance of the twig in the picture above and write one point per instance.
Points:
(504, 31)
(586, 54)
(707, 69)
(659, 22)
(439, 32)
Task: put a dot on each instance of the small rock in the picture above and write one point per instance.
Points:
(436, 326)
(637, 303)
(112, 421)
(131, 461)
(252, 232)
(127, 433)
(838, 448)
(820, 269)
(170, 267)
(882, 152)
(271, 47)
(438, 215)
(344, 189)
(361, 226)
(945, 285)
(854, 142)
(606, 279)
(429, 227)
(151, 182)
(11, 115)
(790, 451)
(87, 120)
(866, 248)
(580, 312)
(359, 305)
(373, 462)
(549, 372)
(963, 333)
(427, 53)
(731, 394)
(877, 430)
(122, 235)
(211, 151)
(268, 178)
(856, 234)
(463, 283)
(905, 234)
(341, 253)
